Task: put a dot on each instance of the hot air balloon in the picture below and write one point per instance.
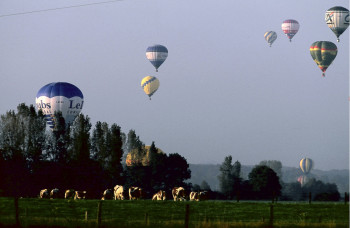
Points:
(150, 84)
(157, 54)
(59, 97)
(302, 180)
(306, 164)
(337, 19)
(270, 37)
(290, 27)
(323, 53)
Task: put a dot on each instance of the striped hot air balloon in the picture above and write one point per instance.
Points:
(337, 19)
(157, 54)
(59, 97)
(323, 53)
(150, 84)
(290, 27)
(306, 164)
(270, 37)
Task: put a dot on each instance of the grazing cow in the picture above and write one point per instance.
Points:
(178, 194)
(119, 192)
(54, 193)
(69, 194)
(159, 195)
(80, 195)
(44, 194)
(135, 193)
(203, 195)
(194, 196)
(107, 194)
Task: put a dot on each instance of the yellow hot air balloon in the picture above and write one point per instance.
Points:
(306, 164)
(150, 84)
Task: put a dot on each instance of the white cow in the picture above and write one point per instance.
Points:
(179, 194)
(194, 196)
(135, 193)
(54, 193)
(119, 192)
(107, 194)
(80, 195)
(69, 194)
(44, 194)
(160, 195)
(203, 195)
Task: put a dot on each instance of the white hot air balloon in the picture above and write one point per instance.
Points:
(59, 97)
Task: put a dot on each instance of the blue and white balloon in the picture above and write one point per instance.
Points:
(157, 54)
(59, 97)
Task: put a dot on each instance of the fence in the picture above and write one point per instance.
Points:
(95, 213)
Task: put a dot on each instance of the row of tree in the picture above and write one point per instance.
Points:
(32, 157)
(264, 182)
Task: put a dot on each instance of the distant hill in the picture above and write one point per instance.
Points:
(210, 172)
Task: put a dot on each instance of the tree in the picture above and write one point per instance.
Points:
(135, 147)
(321, 191)
(205, 186)
(58, 141)
(114, 165)
(80, 136)
(265, 182)
(226, 177)
(157, 168)
(177, 171)
(22, 136)
(230, 179)
(275, 165)
(99, 140)
(292, 191)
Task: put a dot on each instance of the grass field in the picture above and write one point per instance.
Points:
(147, 213)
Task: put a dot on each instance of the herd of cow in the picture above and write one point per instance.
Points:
(119, 193)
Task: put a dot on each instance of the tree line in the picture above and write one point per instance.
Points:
(33, 157)
(264, 183)
(82, 157)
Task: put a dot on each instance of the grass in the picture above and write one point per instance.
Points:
(147, 213)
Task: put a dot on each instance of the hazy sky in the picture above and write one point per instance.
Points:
(223, 90)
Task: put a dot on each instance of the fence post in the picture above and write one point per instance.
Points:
(16, 211)
(309, 197)
(346, 198)
(146, 218)
(99, 210)
(86, 216)
(271, 216)
(187, 215)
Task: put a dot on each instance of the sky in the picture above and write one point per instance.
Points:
(223, 91)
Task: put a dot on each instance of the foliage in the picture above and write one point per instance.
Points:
(205, 186)
(229, 178)
(265, 182)
(274, 165)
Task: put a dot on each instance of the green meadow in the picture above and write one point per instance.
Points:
(146, 213)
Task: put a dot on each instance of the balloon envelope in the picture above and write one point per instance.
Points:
(337, 19)
(290, 27)
(306, 164)
(270, 37)
(59, 97)
(150, 84)
(323, 53)
(157, 54)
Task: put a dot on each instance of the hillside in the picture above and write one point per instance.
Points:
(210, 172)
